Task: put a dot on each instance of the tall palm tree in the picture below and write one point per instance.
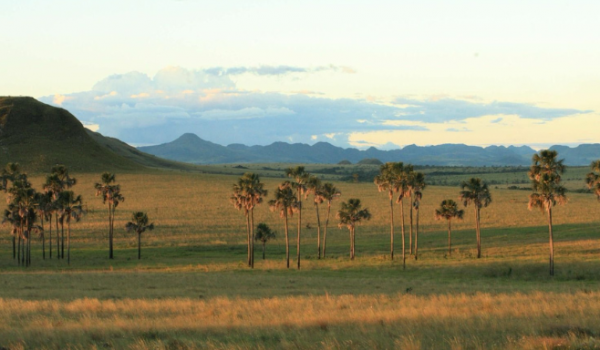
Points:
(409, 178)
(314, 186)
(350, 214)
(476, 192)
(139, 224)
(401, 186)
(247, 194)
(285, 203)
(328, 192)
(44, 208)
(592, 179)
(239, 201)
(53, 186)
(545, 175)
(387, 181)
(56, 182)
(448, 211)
(10, 173)
(71, 206)
(264, 234)
(417, 185)
(11, 216)
(300, 177)
(111, 195)
(23, 199)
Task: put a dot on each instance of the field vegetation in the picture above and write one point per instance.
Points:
(192, 287)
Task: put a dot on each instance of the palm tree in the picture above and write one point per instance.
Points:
(545, 174)
(247, 194)
(264, 234)
(409, 178)
(44, 209)
(53, 187)
(449, 210)
(9, 173)
(111, 195)
(417, 185)
(139, 224)
(56, 182)
(301, 177)
(476, 192)
(403, 190)
(328, 192)
(11, 216)
(239, 199)
(349, 215)
(387, 181)
(314, 186)
(22, 199)
(285, 203)
(592, 179)
(71, 206)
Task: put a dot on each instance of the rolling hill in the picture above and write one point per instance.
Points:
(38, 136)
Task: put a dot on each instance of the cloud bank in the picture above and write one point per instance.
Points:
(139, 109)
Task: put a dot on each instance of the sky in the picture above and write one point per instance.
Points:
(353, 73)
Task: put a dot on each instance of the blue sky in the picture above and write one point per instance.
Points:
(358, 73)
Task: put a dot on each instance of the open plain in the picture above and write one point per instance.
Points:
(193, 289)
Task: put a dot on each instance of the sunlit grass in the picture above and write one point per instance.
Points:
(192, 288)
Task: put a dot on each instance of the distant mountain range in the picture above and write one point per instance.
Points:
(192, 149)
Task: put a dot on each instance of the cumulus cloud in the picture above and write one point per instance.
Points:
(275, 70)
(147, 110)
(441, 108)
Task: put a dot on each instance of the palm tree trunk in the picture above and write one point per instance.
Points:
(551, 241)
(252, 238)
(326, 224)
(410, 235)
(264, 244)
(403, 235)
(28, 259)
(110, 239)
(318, 231)
(14, 246)
(22, 245)
(478, 229)
(449, 240)
(299, 228)
(287, 240)
(351, 244)
(391, 228)
(57, 238)
(248, 232)
(139, 245)
(417, 235)
(19, 249)
(50, 234)
(43, 239)
(62, 238)
(69, 239)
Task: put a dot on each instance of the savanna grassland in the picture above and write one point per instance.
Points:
(193, 289)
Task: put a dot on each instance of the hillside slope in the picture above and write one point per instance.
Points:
(38, 136)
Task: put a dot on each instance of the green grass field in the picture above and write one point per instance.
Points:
(192, 288)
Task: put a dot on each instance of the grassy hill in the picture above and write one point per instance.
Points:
(38, 136)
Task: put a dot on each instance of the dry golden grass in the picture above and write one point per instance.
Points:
(192, 290)
(456, 321)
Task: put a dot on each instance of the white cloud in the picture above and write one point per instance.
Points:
(245, 113)
(143, 110)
